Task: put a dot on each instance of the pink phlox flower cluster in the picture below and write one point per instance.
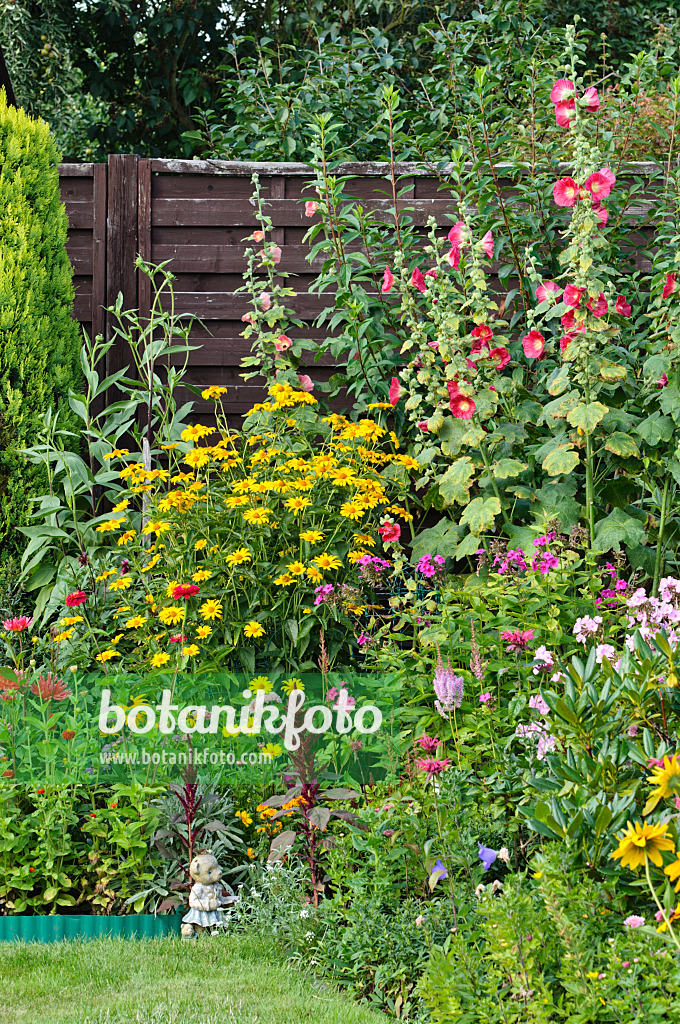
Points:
(538, 704)
(545, 562)
(543, 660)
(428, 566)
(512, 559)
(546, 742)
(368, 563)
(586, 627)
(605, 651)
(650, 615)
(542, 542)
(323, 593)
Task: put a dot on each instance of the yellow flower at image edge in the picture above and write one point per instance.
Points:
(253, 629)
(160, 659)
(641, 842)
(191, 651)
(666, 778)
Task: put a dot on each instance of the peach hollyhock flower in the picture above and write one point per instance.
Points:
(565, 192)
(546, 290)
(388, 280)
(622, 306)
(395, 391)
(590, 99)
(390, 532)
(600, 183)
(562, 90)
(500, 356)
(247, 318)
(598, 307)
(572, 296)
(282, 343)
(257, 236)
(418, 281)
(265, 300)
(274, 253)
(669, 287)
(487, 244)
(462, 407)
(533, 344)
(311, 206)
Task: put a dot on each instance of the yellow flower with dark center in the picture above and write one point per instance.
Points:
(296, 568)
(171, 616)
(191, 651)
(297, 504)
(71, 620)
(326, 561)
(272, 749)
(284, 580)
(203, 632)
(666, 778)
(125, 538)
(314, 575)
(244, 817)
(200, 575)
(342, 477)
(135, 622)
(364, 538)
(211, 609)
(239, 557)
(117, 452)
(238, 501)
(197, 458)
(66, 635)
(160, 659)
(354, 556)
(157, 526)
(312, 536)
(121, 584)
(640, 843)
(253, 629)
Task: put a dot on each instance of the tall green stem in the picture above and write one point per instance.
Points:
(590, 511)
(659, 545)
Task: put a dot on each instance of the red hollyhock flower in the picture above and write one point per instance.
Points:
(462, 407)
(390, 532)
(569, 336)
(533, 344)
(453, 257)
(567, 319)
(546, 290)
(185, 590)
(500, 356)
(592, 100)
(598, 307)
(487, 244)
(457, 233)
(565, 192)
(573, 295)
(483, 333)
(562, 90)
(600, 184)
(418, 281)
(622, 306)
(453, 387)
(600, 212)
(669, 286)
(395, 391)
(76, 598)
(564, 112)
(388, 280)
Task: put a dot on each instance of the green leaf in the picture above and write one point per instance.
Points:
(618, 528)
(468, 546)
(292, 629)
(622, 444)
(440, 539)
(613, 371)
(655, 428)
(565, 712)
(481, 514)
(455, 483)
(562, 460)
(587, 417)
(506, 468)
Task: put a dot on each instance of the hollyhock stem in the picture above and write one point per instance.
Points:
(659, 544)
(590, 512)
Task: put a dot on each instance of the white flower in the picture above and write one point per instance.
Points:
(304, 912)
(504, 854)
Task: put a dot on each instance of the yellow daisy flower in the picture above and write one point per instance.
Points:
(135, 622)
(213, 392)
(191, 650)
(203, 632)
(296, 568)
(297, 504)
(200, 544)
(211, 609)
(171, 616)
(327, 561)
(261, 683)
(288, 685)
(642, 842)
(160, 659)
(107, 655)
(121, 584)
(312, 536)
(200, 575)
(284, 580)
(666, 778)
(196, 432)
(239, 557)
(253, 629)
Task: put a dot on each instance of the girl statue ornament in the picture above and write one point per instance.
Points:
(206, 898)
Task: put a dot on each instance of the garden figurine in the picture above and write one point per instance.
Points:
(207, 897)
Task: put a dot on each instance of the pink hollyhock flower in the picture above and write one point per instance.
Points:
(453, 258)
(390, 532)
(388, 280)
(456, 234)
(257, 236)
(311, 206)
(422, 425)
(305, 381)
(395, 391)
(431, 273)
(461, 407)
(500, 356)
(418, 281)
(565, 192)
(568, 319)
(487, 244)
(50, 688)
(533, 344)
(273, 253)
(562, 90)
(17, 625)
(247, 318)
(282, 343)
(431, 766)
(609, 175)
(600, 211)
(428, 743)
(622, 306)
(598, 307)
(483, 333)
(669, 286)
(546, 290)
(265, 300)
(573, 295)
(591, 99)
(76, 598)
(569, 336)
(599, 184)
(564, 113)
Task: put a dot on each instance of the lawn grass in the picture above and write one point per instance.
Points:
(220, 980)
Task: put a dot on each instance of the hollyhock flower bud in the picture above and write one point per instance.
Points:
(395, 391)
(422, 425)
(598, 307)
(546, 290)
(573, 295)
(533, 344)
(662, 382)
(453, 257)
(311, 207)
(388, 280)
(247, 318)
(622, 307)
(590, 100)
(600, 184)
(461, 407)
(487, 244)
(500, 356)
(265, 300)
(564, 113)
(669, 287)
(418, 281)
(562, 90)
(431, 273)
(434, 345)
(565, 192)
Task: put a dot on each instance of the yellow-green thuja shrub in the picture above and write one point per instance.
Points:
(39, 340)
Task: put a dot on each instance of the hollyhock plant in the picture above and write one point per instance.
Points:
(487, 244)
(590, 99)
(533, 344)
(669, 287)
(265, 301)
(562, 90)
(282, 343)
(417, 280)
(453, 258)
(547, 290)
(600, 183)
(565, 113)
(565, 192)
(483, 334)
(387, 281)
(622, 306)
(463, 408)
(500, 357)
(390, 532)
(598, 306)
(572, 295)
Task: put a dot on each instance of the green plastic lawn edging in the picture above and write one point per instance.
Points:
(55, 927)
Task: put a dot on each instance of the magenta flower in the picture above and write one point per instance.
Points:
(323, 593)
(457, 233)
(538, 704)
(546, 290)
(600, 183)
(418, 281)
(453, 257)
(669, 287)
(518, 640)
(622, 306)
(598, 307)
(432, 766)
(572, 296)
(565, 192)
(395, 391)
(17, 625)
(592, 100)
(390, 532)
(562, 90)
(484, 698)
(388, 280)
(500, 356)
(533, 344)
(635, 921)
(428, 743)
(662, 382)
(564, 112)
(487, 244)
(311, 206)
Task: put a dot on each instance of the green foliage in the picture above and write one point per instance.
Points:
(38, 337)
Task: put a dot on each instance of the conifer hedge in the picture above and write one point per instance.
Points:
(39, 340)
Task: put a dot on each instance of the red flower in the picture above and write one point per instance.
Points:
(453, 257)
(562, 90)
(600, 211)
(455, 235)
(17, 625)
(68, 734)
(573, 295)
(31, 870)
(311, 206)
(569, 336)
(482, 333)
(500, 356)
(598, 307)
(431, 273)
(600, 183)
(418, 281)
(669, 286)
(567, 319)
(431, 766)
(395, 391)
(177, 638)
(184, 590)
(622, 306)
(428, 743)
(487, 244)
(564, 112)
(565, 192)
(390, 532)
(8, 774)
(533, 344)
(388, 280)
(546, 289)
(50, 688)
(592, 100)
(462, 407)
(40, 790)
(76, 598)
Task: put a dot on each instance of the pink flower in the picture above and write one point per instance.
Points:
(634, 921)
(431, 766)
(418, 281)
(572, 295)
(76, 598)
(500, 356)
(598, 307)
(533, 344)
(669, 286)
(177, 638)
(273, 253)
(484, 698)
(455, 235)
(282, 343)
(546, 289)
(482, 333)
(427, 743)
(422, 425)
(461, 407)
(562, 90)
(538, 704)
(622, 306)
(395, 391)
(184, 590)
(364, 638)
(247, 318)
(564, 112)
(600, 183)
(305, 381)
(600, 211)
(453, 258)
(487, 244)
(390, 532)
(311, 206)
(431, 273)
(265, 300)
(662, 382)
(568, 319)
(388, 280)
(592, 100)
(50, 688)
(17, 625)
(518, 640)
(565, 192)
(257, 236)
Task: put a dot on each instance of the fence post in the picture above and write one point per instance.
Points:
(121, 248)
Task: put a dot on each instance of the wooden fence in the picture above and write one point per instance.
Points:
(197, 213)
